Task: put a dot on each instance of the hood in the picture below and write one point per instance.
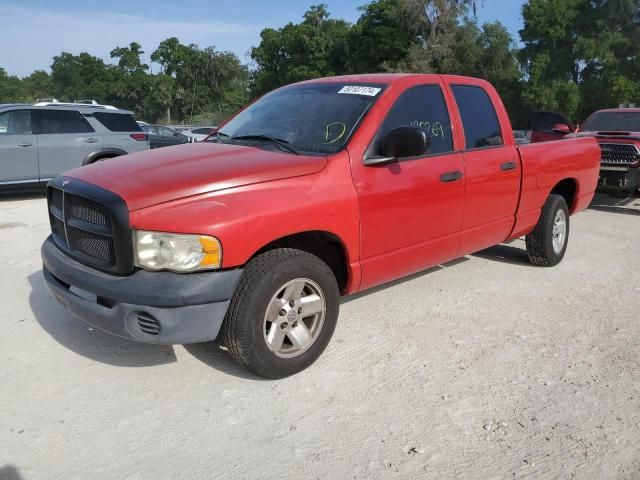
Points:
(617, 135)
(156, 176)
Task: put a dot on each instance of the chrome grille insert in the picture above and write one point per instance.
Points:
(620, 153)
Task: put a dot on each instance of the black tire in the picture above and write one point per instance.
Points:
(540, 240)
(102, 159)
(243, 328)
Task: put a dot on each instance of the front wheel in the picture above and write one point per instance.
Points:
(283, 313)
(547, 243)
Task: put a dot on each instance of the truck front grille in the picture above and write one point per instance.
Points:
(620, 153)
(85, 228)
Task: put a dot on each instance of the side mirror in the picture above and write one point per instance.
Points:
(402, 142)
(561, 128)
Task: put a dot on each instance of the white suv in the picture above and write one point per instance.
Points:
(40, 141)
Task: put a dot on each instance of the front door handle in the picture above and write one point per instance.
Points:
(91, 140)
(506, 166)
(450, 176)
(25, 144)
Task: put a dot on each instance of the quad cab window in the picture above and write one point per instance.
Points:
(422, 107)
(479, 118)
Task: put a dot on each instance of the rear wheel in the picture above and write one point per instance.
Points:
(283, 313)
(106, 157)
(547, 243)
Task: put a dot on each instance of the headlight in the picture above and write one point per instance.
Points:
(175, 252)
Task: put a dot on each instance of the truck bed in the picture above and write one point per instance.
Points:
(544, 165)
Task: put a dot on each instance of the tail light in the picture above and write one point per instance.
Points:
(141, 137)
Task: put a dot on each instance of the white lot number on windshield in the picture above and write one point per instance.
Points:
(359, 90)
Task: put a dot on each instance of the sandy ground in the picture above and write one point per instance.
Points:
(484, 368)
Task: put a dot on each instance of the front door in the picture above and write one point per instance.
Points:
(411, 210)
(18, 148)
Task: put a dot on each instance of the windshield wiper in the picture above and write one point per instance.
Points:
(259, 136)
(217, 137)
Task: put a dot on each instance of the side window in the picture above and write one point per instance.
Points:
(479, 119)
(544, 122)
(166, 132)
(422, 107)
(61, 121)
(118, 122)
(15, 122)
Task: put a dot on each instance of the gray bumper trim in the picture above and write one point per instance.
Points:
(155, 289)
(188, 308)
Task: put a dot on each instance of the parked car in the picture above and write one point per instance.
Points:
(160, 136)
(618, 133)
(547, 126)
(319, 189)
(198, 133)
(38, 142)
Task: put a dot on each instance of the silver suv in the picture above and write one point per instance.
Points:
(40, 141)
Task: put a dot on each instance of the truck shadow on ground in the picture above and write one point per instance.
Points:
(9, 472)
(214, 355)
(506, 253)
(96, 345)
(86, 341)
(612, 204)
(22, 195)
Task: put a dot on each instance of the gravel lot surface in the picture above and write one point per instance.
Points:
(483, 368)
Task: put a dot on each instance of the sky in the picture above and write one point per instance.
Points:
(34, 31)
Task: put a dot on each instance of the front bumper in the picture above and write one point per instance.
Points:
(151, 307)
(619, 178)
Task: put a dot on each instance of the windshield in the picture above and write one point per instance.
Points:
(312, 118)
(612, 122)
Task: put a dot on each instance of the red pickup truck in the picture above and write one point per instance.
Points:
(319, 189)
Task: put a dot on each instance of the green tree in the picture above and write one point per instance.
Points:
(315, 47)
(11, 89)
(82, 76)
(580, 55)
(37, 85)
(381, 38)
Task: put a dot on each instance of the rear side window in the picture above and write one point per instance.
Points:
(60, 121)
(167, 132)
(202, 131)
(15, 122)
(479, 118)
(118, 122)
(422, 107)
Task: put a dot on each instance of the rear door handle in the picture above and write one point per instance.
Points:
(25, 144)
(506, 166)
(450, 176)
(91, 140)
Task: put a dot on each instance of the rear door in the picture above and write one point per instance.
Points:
(492, 169)
(18, 148)
(411, 210)
(65, 138)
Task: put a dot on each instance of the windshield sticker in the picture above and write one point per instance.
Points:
(359, 90)
(334, 132)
